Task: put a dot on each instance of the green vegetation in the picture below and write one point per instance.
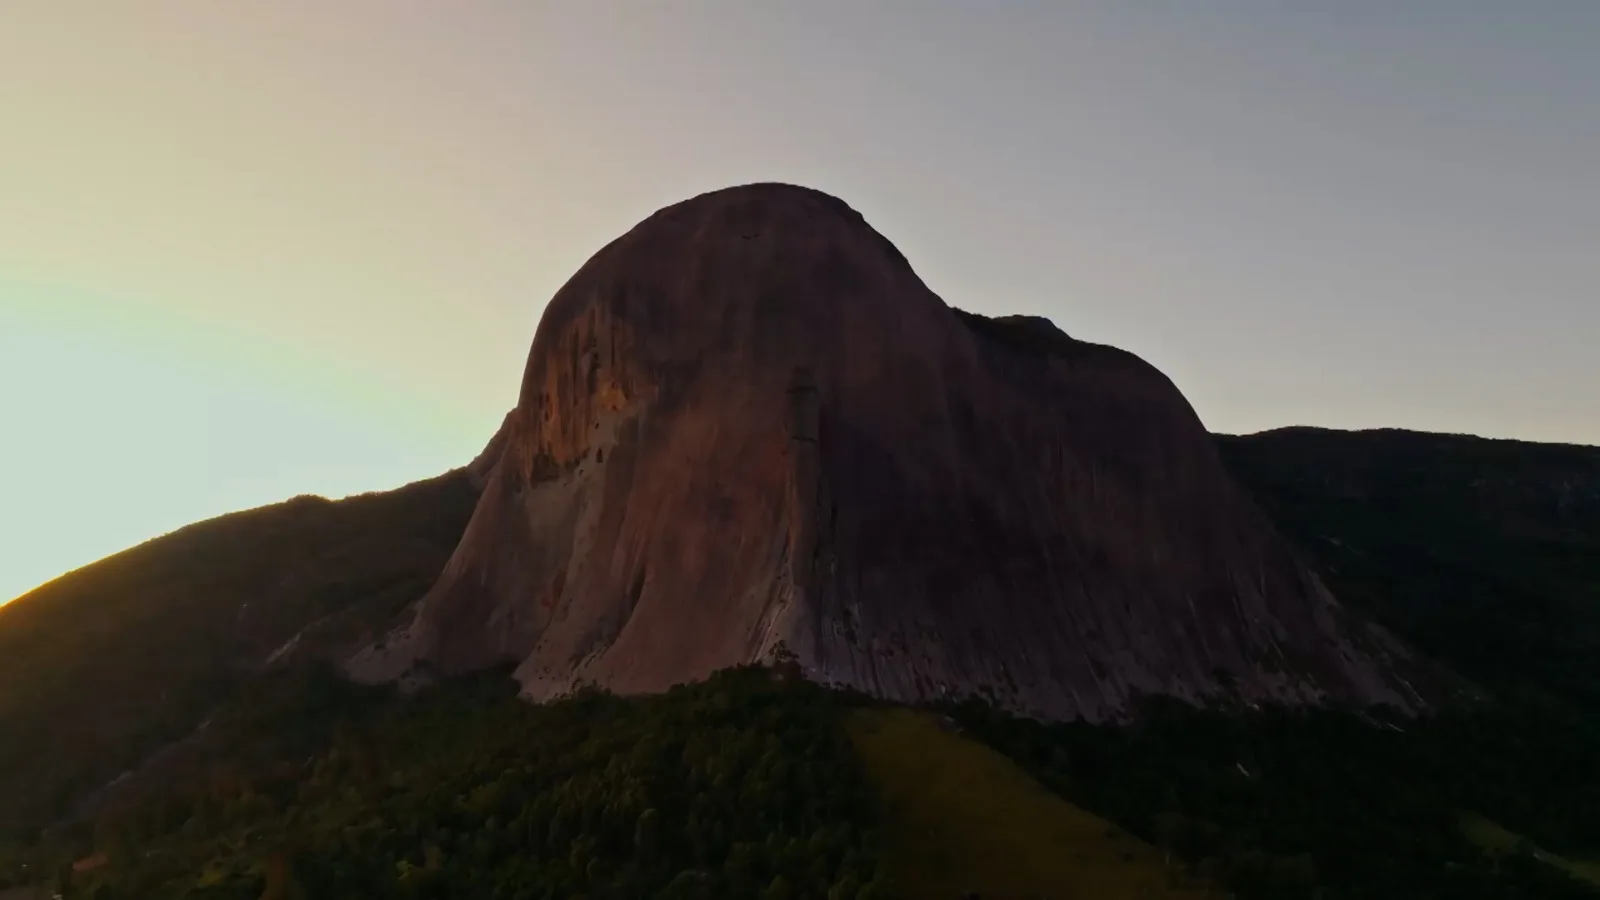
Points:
(740, 787)
(1329, 804)
(1029, 334)
(961, 817)
(1496, 840)
(104, 665)
(754, 785)
(1483, 554)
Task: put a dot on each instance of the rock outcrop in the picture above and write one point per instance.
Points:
(747, 428)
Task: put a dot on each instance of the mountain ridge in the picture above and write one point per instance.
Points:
(1369, 568)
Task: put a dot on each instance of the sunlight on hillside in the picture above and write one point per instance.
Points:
(964, 818)
(113, 440)
(1497, 840)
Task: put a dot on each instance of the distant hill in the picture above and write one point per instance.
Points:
(1482, 553)
(102, 666)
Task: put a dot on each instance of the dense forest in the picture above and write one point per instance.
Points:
(742, 787)
(1484, 554)
(1334, 804)
(748, 786)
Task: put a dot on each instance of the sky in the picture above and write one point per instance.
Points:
(253, 250)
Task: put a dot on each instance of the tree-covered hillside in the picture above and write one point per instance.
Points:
(106, 664)
(750, 785)
(1484, 554)
(742, 787)
(1279, 804)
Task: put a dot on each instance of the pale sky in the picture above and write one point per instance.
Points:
(250, 250)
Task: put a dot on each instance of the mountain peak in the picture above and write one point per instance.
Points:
(747, 424)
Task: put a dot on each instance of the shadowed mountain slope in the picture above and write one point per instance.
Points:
(1484, 554)
(104, 665)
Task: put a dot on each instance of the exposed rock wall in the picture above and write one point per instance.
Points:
(748, 423)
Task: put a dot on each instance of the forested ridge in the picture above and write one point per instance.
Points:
(748, 786)
(1483, 554)
(741, 787)
(1310, 803)
(105, 665)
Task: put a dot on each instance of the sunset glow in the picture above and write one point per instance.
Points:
(249, 251)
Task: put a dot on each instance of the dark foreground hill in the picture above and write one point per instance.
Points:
(748, 786)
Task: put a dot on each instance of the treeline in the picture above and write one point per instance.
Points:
(746, 786)
(1333, 805)
(103, 666)
(1481, 554)
(740, 787)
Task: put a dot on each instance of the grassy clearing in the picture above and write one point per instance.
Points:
(1495, 839)
(962, 817)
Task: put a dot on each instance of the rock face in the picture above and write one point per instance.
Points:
(747, 428)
